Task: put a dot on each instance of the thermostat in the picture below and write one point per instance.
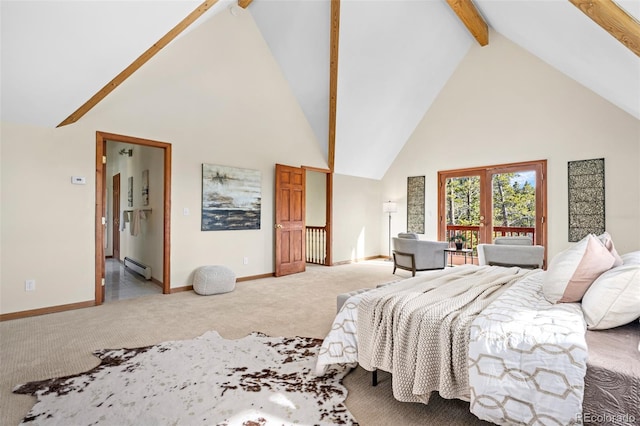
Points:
(78, 180)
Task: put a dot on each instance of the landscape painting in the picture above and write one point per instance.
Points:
(231, 198)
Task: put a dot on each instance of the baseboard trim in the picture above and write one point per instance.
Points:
(362, 259)
(255, 277)
(47, 310)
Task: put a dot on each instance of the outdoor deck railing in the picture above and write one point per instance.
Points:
(471, 233)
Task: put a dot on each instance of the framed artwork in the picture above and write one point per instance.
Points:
(130, 191)
(231, 198)
(586, 198)
(415, 204)
(145, 187)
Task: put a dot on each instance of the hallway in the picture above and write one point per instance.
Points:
(120, 283)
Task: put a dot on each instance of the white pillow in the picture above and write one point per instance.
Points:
(613, 299)
(608, 243)
(632, 258)
(573, 270)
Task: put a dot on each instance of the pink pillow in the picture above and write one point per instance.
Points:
(608, 243)
(573, 270)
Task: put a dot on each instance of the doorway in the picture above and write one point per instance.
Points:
(318, 215)
(476, 205)
(101, 208)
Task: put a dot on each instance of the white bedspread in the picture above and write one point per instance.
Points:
(341, 344)
(527, 358)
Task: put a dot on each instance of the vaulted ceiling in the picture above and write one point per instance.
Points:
(393, 57)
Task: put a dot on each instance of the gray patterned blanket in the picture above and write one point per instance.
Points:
(418, 329)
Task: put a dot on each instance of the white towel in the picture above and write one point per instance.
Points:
(123, 218)
(134, 227)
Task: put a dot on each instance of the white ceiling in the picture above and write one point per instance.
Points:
(395, 57)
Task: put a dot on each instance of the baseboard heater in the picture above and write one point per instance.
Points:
(138, 267)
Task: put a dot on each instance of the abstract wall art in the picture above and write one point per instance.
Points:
(145, 187)
(231, 198)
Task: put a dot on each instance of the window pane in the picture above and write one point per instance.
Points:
(463, 208)
(514, 203)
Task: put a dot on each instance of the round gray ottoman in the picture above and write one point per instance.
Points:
(213, 279)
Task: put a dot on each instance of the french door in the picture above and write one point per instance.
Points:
(481, 203)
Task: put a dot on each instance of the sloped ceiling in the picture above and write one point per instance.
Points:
(395, 56)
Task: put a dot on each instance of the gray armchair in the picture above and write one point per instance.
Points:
(418, 255)
(511, 251)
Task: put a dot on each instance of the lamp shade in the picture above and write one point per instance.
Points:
(389, 207)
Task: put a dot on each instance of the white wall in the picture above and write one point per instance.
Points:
(503, 105)
(316, 203)
(47, 223)
(357, 218)
(218, 97)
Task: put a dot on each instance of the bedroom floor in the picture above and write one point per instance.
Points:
(61, 344)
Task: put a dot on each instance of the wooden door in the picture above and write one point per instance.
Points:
(290, 220)
(115, 222)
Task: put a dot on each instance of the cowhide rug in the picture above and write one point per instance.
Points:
(257, 380)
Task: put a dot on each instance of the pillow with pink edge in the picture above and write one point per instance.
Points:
(573, 270)
(608, 243)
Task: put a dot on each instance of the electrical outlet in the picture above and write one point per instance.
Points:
(245, 260)
(30, 285)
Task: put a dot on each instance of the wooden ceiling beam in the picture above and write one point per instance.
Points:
(613, 19)
(244, 3)
(142, 59)
(333, 80)
(472, 19)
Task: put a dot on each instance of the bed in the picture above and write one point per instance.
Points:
(488, 335)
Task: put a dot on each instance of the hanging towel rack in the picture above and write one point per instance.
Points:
(144, 210)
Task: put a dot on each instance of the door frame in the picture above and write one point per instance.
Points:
(485, 172)
(115, 220)
(101, 205)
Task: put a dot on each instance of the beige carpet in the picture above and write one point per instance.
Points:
(298, 305)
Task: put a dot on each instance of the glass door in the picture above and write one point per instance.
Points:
(476, 205)
(513, 201)
(462, 209)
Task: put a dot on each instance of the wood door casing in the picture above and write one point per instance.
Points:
(289, 220)
(101, 202)
(115, 220)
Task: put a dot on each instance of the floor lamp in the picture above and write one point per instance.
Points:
(389, 207)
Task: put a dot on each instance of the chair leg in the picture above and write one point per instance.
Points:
(374, 378)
